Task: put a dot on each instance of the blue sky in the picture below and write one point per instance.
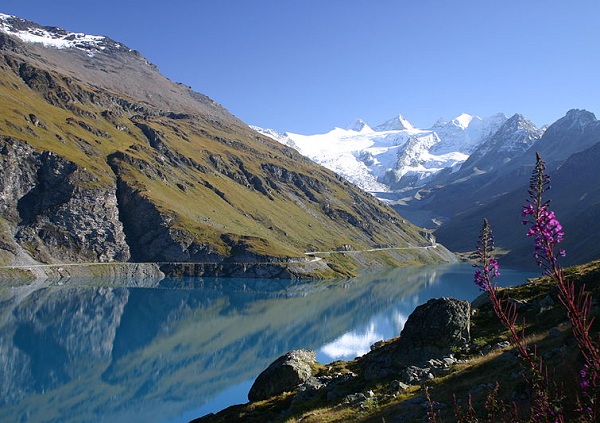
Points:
(307, 66)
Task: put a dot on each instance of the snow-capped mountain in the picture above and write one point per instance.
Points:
(394, 154)
(89, 57)
(512, 139)
(30, 32)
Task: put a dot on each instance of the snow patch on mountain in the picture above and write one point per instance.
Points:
(54, 37)
(393, 154)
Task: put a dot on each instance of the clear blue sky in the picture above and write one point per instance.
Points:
(307, 66)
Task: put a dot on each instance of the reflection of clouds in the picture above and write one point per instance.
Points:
(398, 321)
(352, 344)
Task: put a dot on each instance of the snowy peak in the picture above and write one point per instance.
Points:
(398, 123)
(465, 132)
(464, 120)
(394, 154)
(518, 123)
(461, 122)
(359, 125)
(514, 137)
(55, 37)
(517, 135)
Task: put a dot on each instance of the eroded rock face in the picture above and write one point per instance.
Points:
(17, 175)
(59, 211)
(284, 374)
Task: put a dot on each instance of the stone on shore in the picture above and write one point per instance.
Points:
(283, 375)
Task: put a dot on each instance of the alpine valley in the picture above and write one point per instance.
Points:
(108, 168)
(449, 177)
(103, 159)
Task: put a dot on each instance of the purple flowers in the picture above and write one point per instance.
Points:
(489, 268)
(583, 373)
(485, 275)
(547, 232)
(544, 225)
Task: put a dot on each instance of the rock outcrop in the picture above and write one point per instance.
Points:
(433, 329)
(283, 375)
(423, 351)
(55, 215)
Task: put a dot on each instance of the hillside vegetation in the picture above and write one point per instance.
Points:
(104, 159)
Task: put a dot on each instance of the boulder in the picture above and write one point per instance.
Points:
(433, 329)
(283, 375)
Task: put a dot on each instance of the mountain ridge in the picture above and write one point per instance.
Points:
(394, 154)
(104, 159)
(479, 179)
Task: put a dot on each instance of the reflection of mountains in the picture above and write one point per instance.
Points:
(76, 353)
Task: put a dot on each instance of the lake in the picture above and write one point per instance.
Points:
(167, 351)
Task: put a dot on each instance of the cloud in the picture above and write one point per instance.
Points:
(352, 344)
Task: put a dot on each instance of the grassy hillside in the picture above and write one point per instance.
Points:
(188, 184)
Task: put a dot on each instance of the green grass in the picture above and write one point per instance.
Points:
(177, 177)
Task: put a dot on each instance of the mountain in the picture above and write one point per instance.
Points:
(476, 181)
(451, 176)
(104, 159)
(512, 139)
(570, 148)
(394, 154)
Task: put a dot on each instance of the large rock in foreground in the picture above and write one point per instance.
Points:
(283, 375)
(437, 326)
(433, 330)
(431, 333)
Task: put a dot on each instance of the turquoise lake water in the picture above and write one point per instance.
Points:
(176, 349)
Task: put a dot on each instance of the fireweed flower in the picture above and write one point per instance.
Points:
(544, 227)
(583, 374)
(488, 268)
(547, 232)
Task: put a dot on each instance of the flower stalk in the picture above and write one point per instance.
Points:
(547, 232)
(544, 403)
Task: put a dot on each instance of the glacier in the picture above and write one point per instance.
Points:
(394, 154)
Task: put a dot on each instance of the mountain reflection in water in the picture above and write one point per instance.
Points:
(102, 350)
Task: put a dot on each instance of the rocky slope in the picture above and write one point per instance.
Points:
(104, 159)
